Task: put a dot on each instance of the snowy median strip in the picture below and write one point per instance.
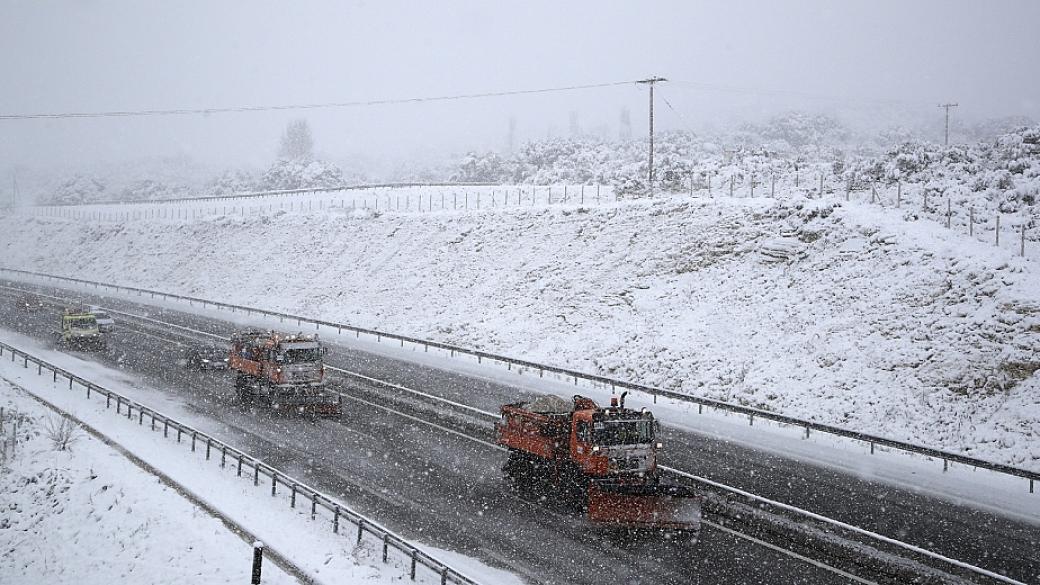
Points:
(277, 527)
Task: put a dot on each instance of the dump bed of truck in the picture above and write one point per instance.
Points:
(542, 434)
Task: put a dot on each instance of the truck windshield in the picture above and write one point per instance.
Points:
(623, 432)
(302, 356)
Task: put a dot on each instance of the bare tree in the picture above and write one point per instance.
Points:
(297, 143)
(62, 431)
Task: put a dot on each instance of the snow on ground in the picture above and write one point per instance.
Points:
(147, 527)
(841, 313)
(88, 515)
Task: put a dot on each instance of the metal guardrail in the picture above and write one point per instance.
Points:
(752, 413)
(248, 464)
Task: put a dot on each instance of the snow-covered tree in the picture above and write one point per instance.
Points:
(297, 143)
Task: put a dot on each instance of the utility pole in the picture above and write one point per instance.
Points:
(651, 81)
(947, 108)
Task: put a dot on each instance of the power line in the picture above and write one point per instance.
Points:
(682, 118)
(382, 102)
(699, 86)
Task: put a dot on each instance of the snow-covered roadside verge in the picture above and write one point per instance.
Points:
(323, 556)
(87, 515)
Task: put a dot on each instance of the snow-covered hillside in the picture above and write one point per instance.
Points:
(844, 313)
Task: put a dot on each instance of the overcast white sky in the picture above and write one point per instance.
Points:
(101, 56)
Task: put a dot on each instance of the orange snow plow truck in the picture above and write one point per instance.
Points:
(601, 461)
(283, 372)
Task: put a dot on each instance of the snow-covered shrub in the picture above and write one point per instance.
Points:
(299, 174)
(77, 189)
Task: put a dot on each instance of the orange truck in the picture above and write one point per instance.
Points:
(600, 461)
(283, 372)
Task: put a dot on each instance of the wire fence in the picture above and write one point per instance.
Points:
(340, 518)
(520, 365)
(409, 198)
(1012, 231)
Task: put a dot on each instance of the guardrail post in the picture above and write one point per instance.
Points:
(751, 419)
(256, 472)
(872, 447)
(806, 431)
(292, 498)
(223, 456)
(239, 473)
(314, 505)
(274, 483)
(335, 519)
(179, 431)
(700, 408)
(414, 552)
(208, 444)
(360, 529)
(1030, 485)
(108, 399)
(258, 560)
(946, 465)
(444, 576)
(386, 545)
(166, 428)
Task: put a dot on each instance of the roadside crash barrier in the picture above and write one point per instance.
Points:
(342, 519)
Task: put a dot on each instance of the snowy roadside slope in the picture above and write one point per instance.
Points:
(845, 314)
(89, 516)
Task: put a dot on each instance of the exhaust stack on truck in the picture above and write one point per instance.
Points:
(602, 461)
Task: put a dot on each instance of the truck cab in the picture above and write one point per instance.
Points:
(614, 441)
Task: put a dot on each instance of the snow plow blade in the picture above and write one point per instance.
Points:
(651, 507)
